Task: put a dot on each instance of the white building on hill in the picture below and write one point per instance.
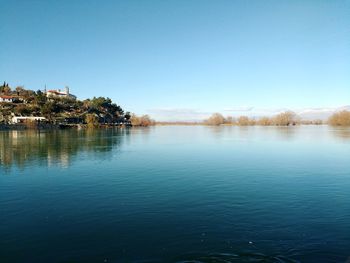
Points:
(4, 98)
(60, 94)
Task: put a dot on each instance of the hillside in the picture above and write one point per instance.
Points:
(58, 107)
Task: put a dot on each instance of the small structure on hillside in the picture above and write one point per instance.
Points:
(60, 94)
(6, 98)
(11, 99)
(17, 119)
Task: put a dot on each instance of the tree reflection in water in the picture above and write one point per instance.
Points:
(57, 147)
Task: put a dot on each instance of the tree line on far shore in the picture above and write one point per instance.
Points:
(287, 118)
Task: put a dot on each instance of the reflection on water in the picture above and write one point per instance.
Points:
(58, 147)
(280, 133)
(175, 194)
(342, 133)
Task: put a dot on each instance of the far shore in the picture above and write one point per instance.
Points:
(48, 126)
(9, 127)
(285, 119)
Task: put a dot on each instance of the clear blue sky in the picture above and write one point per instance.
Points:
(182, 56)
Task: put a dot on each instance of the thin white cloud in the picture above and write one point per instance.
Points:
(240, 109)
(178, 114)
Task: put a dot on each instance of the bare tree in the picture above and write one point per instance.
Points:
(20, 90)
(285, 119)
(215, 119)
(143, 121)
(229, 120)
(264, 121)
(243, 121)
(341, 118)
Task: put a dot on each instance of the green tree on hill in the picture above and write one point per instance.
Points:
(33, 103)
(91, 120)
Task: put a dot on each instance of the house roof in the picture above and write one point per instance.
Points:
(7, 97)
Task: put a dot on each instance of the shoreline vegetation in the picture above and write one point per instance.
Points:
(27, 109)
(288, 118)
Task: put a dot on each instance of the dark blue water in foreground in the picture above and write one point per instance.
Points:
(176, 194)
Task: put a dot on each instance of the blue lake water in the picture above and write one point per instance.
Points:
(176, 194)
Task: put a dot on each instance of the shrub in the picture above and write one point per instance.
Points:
(243, 121)
(215, 119)
(91, 120)
(341, 118)
(144, 120)
(285, 119)
(264, 121)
